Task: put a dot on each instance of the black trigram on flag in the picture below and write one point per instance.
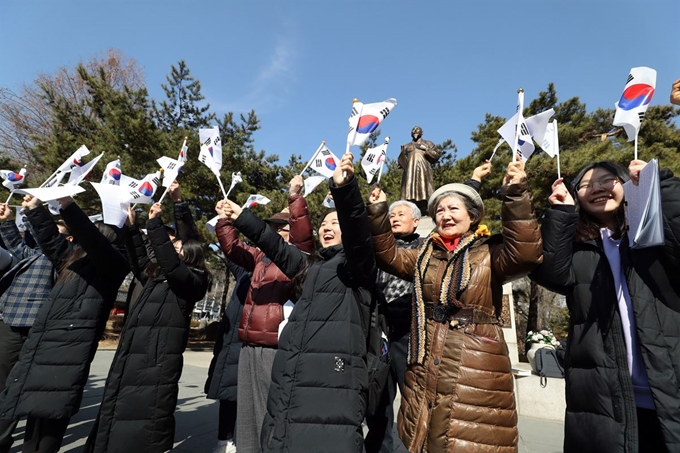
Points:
(325, 152)
(207, 141)
(523, 130)
(135, 195)
(133, 184)
(370, 158)
(384, 112)
(373, 171)
(317, 163)
(156, 180)
(202, 158)
(354, 112)
(641, 115)
(217, 140)
(171, 166)
(630, 77)
(519, 153)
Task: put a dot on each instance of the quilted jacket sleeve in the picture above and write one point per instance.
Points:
(558, 231)
(287, 258)
(234, 249)
(356, 236)
(396, 261)
(521, 249)
(301, 229)
(189, 284)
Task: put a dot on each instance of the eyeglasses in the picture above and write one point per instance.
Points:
(606, 183)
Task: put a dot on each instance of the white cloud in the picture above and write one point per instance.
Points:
(271, 85)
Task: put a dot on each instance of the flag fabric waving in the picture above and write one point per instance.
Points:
(550, 143)
(76, 159)
(373, 159)
(142, 192)
(366, 118)
(255, 200)
(171, 169)
(211, 149)
(312, 183)
(235, 179)
(329, 202)
(80, 173)
(637, 94)
(324, 161)
(530, 129)
(183, 151)
(112, 173)
(13, 180)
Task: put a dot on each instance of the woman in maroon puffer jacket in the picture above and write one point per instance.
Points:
(263, 310)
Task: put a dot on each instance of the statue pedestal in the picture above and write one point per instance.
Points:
(425, 226)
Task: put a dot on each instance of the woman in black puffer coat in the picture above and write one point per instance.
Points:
(48, 381)
(623, 352)
(141, 390)
(317, 399)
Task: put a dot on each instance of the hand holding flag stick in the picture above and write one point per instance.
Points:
(344, 172)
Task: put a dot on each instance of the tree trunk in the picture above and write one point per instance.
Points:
(532, 318)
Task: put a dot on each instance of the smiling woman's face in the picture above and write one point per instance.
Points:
(329, 231)
(600, 194)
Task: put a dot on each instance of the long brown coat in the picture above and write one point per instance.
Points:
(461, 399)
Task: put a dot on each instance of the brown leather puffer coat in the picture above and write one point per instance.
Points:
(461, 398)
(269, 287)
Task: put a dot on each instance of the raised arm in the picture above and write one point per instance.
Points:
(301, 229)
(356, 236)
(189, 284)
(234, 249)
(521, 248)
(53, 245)
(287, 258)
(11, 236)
(391, 259)
(184, 220)
(101, 253)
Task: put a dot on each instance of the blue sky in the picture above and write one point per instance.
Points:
(299, 63)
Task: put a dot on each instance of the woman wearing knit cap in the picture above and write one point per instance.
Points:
(458, 388)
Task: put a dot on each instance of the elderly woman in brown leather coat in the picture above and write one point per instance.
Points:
(458, 389)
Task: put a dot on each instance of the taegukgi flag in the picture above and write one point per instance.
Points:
(551, 143)
(324, 161)
(530, 129)
(211, 149)
(112, 173)
(373, 160)
(80, 173)
(13, 180)
(255, 200)
(312, 183)
(142, 192)
(183, 151)
(366, 118)
(76, 159)
(171, 169)
(637, 94)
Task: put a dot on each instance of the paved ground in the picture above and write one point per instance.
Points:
(196, 417)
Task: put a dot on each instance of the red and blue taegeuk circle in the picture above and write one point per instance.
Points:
(635, 96)
(146, 189)
(330, 163)
(114, 173)
(12, 176)
(367, 124)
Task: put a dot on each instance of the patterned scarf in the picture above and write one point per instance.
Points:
(456, 279)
